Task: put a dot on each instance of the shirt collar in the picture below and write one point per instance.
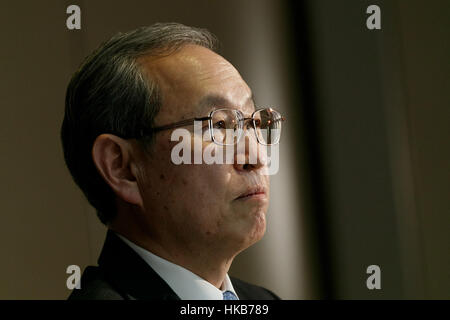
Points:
(187, 285)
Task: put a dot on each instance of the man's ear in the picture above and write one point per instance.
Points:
(114, 159)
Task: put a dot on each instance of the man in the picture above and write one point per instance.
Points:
(173, 230)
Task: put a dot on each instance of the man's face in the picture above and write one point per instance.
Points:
(200, 205)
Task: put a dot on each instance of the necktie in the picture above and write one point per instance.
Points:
(228, 295)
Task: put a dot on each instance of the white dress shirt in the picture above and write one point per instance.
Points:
(187, 285)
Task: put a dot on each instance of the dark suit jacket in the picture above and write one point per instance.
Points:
(123, 275)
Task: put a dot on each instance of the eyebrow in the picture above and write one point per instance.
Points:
(216, 100)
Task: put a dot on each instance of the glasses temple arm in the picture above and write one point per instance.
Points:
(178, 124)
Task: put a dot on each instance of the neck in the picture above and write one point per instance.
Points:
(210, 262)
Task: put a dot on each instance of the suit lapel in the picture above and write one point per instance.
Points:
(130, 274)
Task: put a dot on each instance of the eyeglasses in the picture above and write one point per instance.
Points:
(227, 125)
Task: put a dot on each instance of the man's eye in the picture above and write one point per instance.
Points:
(219, 124)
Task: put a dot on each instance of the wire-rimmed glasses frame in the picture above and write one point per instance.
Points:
(240, 124)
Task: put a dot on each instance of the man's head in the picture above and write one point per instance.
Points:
(148, 78)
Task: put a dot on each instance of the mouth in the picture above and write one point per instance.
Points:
(257, 193)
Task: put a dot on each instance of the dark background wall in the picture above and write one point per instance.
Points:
(364, 175)
(381, 113)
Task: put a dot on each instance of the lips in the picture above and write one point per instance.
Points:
(253, 192)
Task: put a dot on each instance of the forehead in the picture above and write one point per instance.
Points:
(194, 80)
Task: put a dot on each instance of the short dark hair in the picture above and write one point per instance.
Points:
(110, 94)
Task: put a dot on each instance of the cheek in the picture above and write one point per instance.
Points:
(201, 187)
(197, 195)
(190, 190)
(202, 183)
(200, 204)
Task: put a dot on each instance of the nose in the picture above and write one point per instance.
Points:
(249, 154)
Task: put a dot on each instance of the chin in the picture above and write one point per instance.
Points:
(260, 229)
(256, 228)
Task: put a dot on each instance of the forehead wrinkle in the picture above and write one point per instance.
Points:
(222, 70)
(215, 101)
